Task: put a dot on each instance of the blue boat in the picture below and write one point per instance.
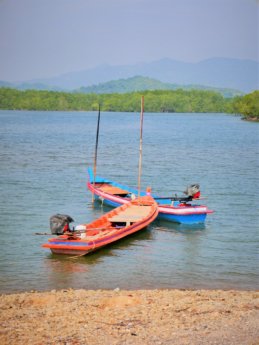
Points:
(176, 209)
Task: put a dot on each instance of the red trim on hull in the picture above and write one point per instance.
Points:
(139, 214)
(69, 251)
(167, 209)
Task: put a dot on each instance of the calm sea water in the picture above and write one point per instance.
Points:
(44, 160)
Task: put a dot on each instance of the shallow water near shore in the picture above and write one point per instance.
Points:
(44, 160)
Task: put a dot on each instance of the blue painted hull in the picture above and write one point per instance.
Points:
(183, 219)
(107, 201)
(182, 214)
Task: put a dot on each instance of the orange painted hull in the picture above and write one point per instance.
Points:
(111, 227)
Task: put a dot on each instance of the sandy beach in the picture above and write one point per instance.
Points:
(116, 317)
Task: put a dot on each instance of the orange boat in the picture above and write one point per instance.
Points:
(111, 227)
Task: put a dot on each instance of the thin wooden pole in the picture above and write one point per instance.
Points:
(96, 147)
(140, 145)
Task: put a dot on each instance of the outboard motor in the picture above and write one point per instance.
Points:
(193, 191)
(60, 223)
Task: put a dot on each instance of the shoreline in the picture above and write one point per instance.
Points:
(250, 118)
(116, 317)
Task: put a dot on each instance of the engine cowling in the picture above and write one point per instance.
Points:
(193, 191)
(59, 222)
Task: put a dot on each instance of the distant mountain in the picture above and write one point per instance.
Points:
(219, 72)
(29, 86)
(139, 83)
(5, 84)
(216, 73)
(136, 83)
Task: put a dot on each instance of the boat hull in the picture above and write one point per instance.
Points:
(194, 217)
(111, 227)
(70, 251)
(185, 214)
(183, 219)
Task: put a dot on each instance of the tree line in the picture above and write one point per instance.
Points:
(171, 101)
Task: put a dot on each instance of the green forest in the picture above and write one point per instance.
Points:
(171, 101)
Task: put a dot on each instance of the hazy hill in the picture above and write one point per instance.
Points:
(29, 86)
(139, 83)
(216, 73)
(219, 72)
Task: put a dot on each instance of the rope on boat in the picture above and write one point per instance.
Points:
(76, 256)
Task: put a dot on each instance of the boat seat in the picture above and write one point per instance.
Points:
(125, 219)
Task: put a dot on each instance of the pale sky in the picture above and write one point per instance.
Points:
(45, 38)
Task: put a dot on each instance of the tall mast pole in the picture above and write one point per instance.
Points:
(96, 146)
(140, 144)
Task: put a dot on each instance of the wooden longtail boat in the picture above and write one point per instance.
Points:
(178, 210)
(114, 225)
